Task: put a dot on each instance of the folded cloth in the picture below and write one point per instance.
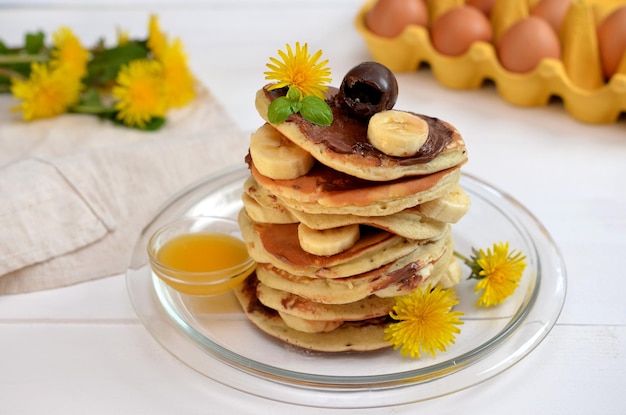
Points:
(75, 191)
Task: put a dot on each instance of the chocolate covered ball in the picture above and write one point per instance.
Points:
(366, 89)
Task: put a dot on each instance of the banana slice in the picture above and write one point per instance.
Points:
(449, 208)
(327, 242)
(397, 133)
(265, 214)
(309, 326)
(276, 157)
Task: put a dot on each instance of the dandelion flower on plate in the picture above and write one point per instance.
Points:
(498, 272)
(68, 53)
(299, 70)
(500, 275)
(46, 93)
(426, 322)
(140, 92)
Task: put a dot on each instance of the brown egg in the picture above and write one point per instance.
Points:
(484, 6)
(526, 43)
(388, 18)
(612, 40)
(454, 31)
(552, 11)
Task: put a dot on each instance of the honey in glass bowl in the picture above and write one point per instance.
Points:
(200, 255)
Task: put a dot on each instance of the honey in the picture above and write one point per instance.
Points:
(202, 252)
(203, 263)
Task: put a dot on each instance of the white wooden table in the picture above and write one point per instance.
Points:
(81, 349)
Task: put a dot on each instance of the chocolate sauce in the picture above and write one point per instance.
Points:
(348, 135)
(254, 305)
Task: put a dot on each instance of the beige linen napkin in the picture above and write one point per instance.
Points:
(75, 191)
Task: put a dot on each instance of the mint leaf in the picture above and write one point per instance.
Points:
(316, 110)
(279, 110)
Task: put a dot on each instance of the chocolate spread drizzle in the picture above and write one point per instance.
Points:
(348, 135)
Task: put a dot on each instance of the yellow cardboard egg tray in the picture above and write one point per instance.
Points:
(580, 85)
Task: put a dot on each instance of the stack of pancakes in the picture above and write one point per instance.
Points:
(353, 230)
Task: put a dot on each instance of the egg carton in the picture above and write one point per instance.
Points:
(591, 104)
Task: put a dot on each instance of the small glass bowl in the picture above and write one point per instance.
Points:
(193, 282)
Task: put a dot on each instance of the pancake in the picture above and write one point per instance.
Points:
(392, 279)
(262, 206)
(358, 336)
(410, 223)
(323, 190)
(344, 146)
(266, 214)
(278, 245)
(304, 308)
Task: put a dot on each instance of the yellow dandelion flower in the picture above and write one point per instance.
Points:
(179, 81)
(426, 322)
(46, 93)
(157, 40)
(69, 53)
(140, 92)
(299, 70)
(122, 36)
(500, 272)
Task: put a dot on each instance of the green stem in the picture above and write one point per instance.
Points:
(11, 74)
(463, 258)
(93, 109)
(23, 58)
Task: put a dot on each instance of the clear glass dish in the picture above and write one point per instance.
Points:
(208, 281)
(212, 335)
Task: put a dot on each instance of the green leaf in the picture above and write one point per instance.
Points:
(293, 94)
(154, 124)
(473, 266)
(296, 106)
(316, 110)
(279, 110)
(91, 98)
(105, 65)
(3, 48)
(34, 42)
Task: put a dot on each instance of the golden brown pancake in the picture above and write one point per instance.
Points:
(304, 308)
(278, 245)
(263, 207)
(395, 278)
(350, 336)
(323, 190)
(344, 146)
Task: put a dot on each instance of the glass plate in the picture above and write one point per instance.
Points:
(213, 336)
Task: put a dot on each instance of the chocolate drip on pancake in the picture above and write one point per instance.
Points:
(348, 135)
